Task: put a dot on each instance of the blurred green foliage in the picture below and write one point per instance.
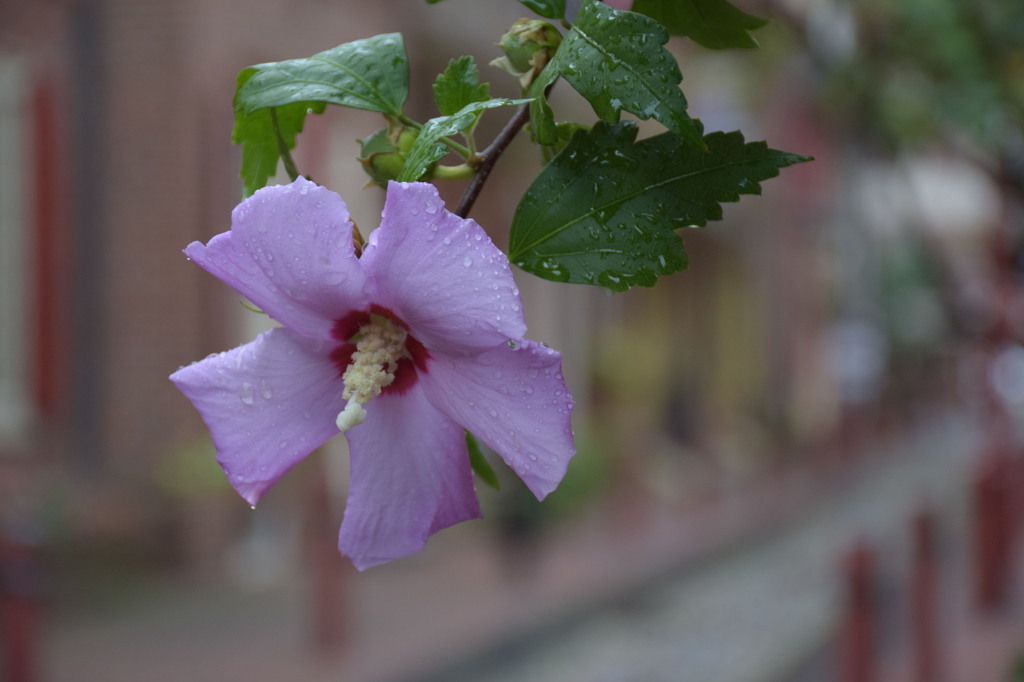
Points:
(1016, 673)
(587, 479)
(922, 69)
(192, 471)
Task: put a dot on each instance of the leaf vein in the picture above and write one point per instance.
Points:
(625, 199)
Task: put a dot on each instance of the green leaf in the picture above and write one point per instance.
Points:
(426, 149)
(564, 131)
(255, 132)
(605, 210)
(459, 85)
(715, 24)
(616, 60)
(368, 74)
(549, 9)
(479, 463)
(542, 117)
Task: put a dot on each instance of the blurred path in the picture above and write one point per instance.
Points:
(743, 589)
(756, 615)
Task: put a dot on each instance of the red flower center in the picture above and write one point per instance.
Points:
(414, 360)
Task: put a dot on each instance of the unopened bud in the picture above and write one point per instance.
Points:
(528, 46)
(383, 153)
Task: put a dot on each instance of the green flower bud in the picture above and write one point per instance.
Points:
(383, 153)
(528, 47)
(405, 139)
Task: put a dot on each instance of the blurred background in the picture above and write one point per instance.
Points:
(798, 461)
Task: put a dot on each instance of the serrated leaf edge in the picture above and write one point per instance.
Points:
(518, 254)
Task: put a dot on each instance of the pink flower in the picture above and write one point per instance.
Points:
(402, 348)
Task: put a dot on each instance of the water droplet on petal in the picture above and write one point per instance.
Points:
(266, 390)
(467, 261)
(245, 393)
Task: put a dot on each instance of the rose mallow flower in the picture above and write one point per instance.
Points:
(401, 348)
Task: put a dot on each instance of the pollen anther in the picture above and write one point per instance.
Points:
(372, 368)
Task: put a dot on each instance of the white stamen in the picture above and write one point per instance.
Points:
(352, 415)
(372, 368)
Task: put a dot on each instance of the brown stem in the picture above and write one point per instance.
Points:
(490, 157)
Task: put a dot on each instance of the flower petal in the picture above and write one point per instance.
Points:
(410, 478)
(267, 404)
(516, 401)
(290, 252)
(441, 274)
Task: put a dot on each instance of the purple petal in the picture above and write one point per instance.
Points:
(290, 252)
(267, 404)
(410, 478)
(441, 274)
(516, 401)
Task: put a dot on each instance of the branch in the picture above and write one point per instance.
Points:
(490, 157)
